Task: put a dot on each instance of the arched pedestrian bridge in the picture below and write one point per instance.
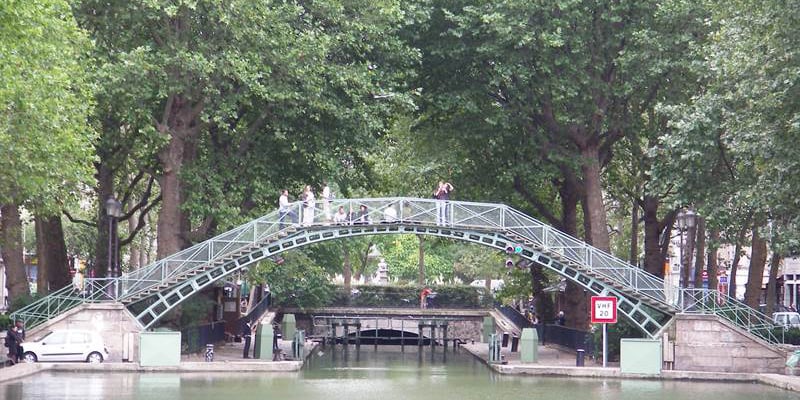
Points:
(646, 300)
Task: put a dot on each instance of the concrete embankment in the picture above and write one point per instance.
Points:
(554, 362)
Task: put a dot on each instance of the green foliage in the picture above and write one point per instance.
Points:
(23, 301)
(194, 311)
(297, 282)
(407, 296)
(623, 329)
(790, 336)
(45, 141)
(5, 322)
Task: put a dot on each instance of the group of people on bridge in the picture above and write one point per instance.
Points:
(308, 216)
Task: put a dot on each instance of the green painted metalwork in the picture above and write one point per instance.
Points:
(645, 299)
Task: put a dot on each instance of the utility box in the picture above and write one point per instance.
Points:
(640, 356)
(529, 346)
(263, 345)
(288, 327)
(488, 328)
(159, 349)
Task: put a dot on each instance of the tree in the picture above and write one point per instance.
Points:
(542, 93)
(45, 141)
(232, 97)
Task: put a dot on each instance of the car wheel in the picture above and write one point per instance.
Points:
(94, 358)
(30, 357)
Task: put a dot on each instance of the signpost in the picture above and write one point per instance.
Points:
(604, 311)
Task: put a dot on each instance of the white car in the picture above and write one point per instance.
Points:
(66, 345)
(786, 319)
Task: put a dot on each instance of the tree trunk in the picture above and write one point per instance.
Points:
(633, 258)
(712, 259)
(347, 270)
(575, 297)
(53, 270)
(687, 257)
(653, 260)
(700, 258)
(421, 261)
(11, 248)
(755, 276)
(105, 189)
(135, 244)
(772, 285)
(170, 216)
(737, 256)
(182, 127)
(597, 235)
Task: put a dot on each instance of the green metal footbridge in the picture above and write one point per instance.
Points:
(646, 300)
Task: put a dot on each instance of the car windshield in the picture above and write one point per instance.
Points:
(43, 336)
(794, 319)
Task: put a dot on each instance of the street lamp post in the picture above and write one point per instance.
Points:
(686, 221)
(113, 212)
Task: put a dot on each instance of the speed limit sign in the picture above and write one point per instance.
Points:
(604, 310)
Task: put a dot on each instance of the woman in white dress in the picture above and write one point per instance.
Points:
(327, 197)
(309, 202)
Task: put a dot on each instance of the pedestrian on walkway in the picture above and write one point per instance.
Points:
(285, 209)
(327, 198)
(309, 202)
(442, 196)
(13, 342)
(247, 334)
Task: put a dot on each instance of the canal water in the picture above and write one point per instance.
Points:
(386, 374)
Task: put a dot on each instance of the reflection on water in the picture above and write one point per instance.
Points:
(366, 374)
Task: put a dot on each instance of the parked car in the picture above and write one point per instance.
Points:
(787, 319)
(66, 345)
(496, 284)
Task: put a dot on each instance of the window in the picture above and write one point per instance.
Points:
(55, 338)
(78, 337)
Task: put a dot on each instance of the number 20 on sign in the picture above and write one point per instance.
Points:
(604, 310)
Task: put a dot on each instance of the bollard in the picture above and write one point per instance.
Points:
(494, 348)
(514, 343)
(209, 352)
(505, 339)
(579, 357)
(298, 344)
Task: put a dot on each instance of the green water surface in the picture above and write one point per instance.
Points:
(386, 374)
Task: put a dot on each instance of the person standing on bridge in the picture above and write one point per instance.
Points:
(442, 196)
(309, 202)
(327, 197)
(285, 209)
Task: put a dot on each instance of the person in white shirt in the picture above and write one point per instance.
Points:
(309, 202)
(327, 197)
(285, 209)
(389, 214)
(340, 218)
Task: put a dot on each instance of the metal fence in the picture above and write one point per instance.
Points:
(566, 337)
(515, 316)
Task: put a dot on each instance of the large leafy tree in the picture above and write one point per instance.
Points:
(731, 149)
(541, 94)
(45, 141)
(229, 101)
